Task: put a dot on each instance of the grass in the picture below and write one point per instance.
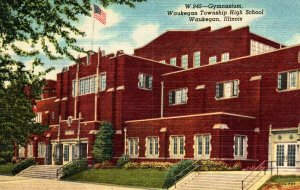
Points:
(5, 169)
(281, 180)
(131, 177)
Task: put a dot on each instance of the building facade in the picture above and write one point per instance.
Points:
(226, 95)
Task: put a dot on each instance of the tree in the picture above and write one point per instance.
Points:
(40, 25)
(103, 145)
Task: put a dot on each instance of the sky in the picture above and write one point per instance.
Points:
(129, 28)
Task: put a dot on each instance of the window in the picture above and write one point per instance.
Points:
(288, 80)
(258, 48)
(21, 152)
(29, 151)
(163, 61)
(202, 146)
(38, 117)
(184, 61)
(227, 89)
(152, 147)
(173, 61)
(196, 59)
(41, 149)
(66, 152)
(240, 146)
(178, 96)
(86, 86)
(177, 146)
(145, 81)
(53, 115)
(212, 60)
(225, 57)
(133, 147)
(102, 82)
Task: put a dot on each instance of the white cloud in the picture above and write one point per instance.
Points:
(142, 34)
(246, 19)
(294, 40)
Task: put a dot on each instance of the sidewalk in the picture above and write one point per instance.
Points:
(23, 183)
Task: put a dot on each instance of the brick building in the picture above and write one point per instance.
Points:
(224, 94)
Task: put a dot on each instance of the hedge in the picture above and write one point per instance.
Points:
(175, 170)
(22, 165)
(74, 167)
(124, 159)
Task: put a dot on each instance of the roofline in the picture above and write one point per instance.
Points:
(235, 59)
(46, 99)
(150, 60)
(268, 39)
(196, 30)
(193, 115)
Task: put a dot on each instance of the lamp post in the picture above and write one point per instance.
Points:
(125, 136)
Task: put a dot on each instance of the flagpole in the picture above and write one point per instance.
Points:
(93, 27)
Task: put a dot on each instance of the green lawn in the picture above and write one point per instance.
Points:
(132, 177)
(5, 169)
(281, 180)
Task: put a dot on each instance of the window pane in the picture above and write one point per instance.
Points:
(173, 61)
(228, 89)
(174, 145)
(156, 146)
(150, 146)
(184, 61)
(293, 79)
(181, 146)
(236, 139)
(197, 59)
(199, 139)
(206, 144)
(136, 147)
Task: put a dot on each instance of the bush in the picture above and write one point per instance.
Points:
(124, 159)
(75, 167)
(175, 170)
(22, 165)
(211, 165)
(104, 165)
(2, 161)
(148, 165)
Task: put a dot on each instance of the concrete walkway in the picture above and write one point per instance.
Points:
(24, 183)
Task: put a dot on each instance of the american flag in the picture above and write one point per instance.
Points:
(99, 14)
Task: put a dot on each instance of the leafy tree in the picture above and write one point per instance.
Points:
(40, 25)
(103, 145)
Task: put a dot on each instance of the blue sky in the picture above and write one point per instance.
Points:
(129, 28)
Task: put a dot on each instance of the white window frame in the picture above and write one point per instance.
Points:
(197, 59)
(230, 89)
(185, 61)
(143, 83)
(212, 60)
(39, 117)
(41, 149)
(152, 147)
(177, 146)
(173, 61)
(240, 141)
(133, 147)
(225, 57)
(86, 85)
(30, 150)
(205, 153)
(180, 96)
(258, 47)
(290, 84)
(102, 81)
(21, 152)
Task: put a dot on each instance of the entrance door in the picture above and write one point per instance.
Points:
(286, 155)
(70, 153)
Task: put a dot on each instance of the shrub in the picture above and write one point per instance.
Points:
(22, 165)
(103, 146)
(104, 165)
(2, 161)
(124, 159)
(75, 167)
(211, 165)
(148, 165)
(175, 170)
(132, 165)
